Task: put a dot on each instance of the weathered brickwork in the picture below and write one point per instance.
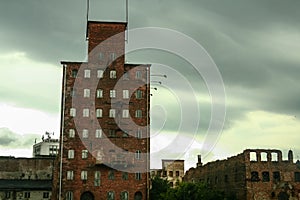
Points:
(26, 178)
(172, 171)
(26, 168)
(253, 174)
(105, 118)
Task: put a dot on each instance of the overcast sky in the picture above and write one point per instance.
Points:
(255, 45)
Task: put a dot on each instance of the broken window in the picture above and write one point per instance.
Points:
(226, 178)
(276, 176)
(297, 176)
(254, 176)
(263, 156)
(253, 156)
(274, 157)
(265, 176)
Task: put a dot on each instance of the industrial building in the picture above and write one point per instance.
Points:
(105, 145)
(252, 175)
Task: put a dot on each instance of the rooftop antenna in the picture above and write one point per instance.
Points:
(87, 18)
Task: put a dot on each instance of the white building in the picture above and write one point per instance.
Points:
(48, 147)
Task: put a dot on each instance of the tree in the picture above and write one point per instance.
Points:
(192, 191)
(159, 188)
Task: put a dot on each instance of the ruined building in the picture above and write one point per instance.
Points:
(25, 178)
(172, 171)
(104, 150)
(253, 174)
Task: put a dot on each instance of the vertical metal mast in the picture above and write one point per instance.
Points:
(87, 18)
(126, 10)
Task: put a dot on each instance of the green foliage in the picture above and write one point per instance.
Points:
(159, 187)
(185, 191)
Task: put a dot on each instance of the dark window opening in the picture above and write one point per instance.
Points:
(297, 176)
(177, 173)
(265, 176)
(254, 176)
(276, 176)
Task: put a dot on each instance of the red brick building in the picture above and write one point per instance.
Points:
(255, 174)
(104, 122)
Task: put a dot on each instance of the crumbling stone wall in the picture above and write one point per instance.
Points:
(253, 174)
(26, 168)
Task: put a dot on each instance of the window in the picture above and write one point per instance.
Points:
(85, 133)
(100, 73)
(101, 56)
(138, 176)
(138, 154)
(110, 195)
(45, 194)
(125, 134)
(70, 175)
(253, 156)
(86, 112)
(124, 195)
(84, 154)
(71, 133)
(139, 133)
(265, 177)
(98, 112)
(177, 173)
(97, 178)
(254, 176)
(263, 156)
(72, 112)
(87, 73)
(171, 173)
(111, 175)
(126, 76)
(112, 56)
(69, 195)
(125, 113)
(125, 94)
(71, 154)
(74, 73)
(7, 195)
(125, 175)
(139, 94)
(274, 157)
(99, 93)
(138, 74)
(26, 194)
(98, 133)
(113, 74)
(226, 178)
(112, 93)
(73, 92)
(112, 113)
(276, 176)
(86, 93)
(83, 175)
(297, 176)
(138, 113)
(111, 133)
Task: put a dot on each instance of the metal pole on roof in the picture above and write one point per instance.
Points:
(87, 17)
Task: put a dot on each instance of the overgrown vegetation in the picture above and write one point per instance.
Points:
(161, 190)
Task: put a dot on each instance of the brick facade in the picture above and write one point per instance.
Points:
(253, 174)
(105, 117)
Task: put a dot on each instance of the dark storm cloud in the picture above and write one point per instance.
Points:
(253, 43)
(10, 139)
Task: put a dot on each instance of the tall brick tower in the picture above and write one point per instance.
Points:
(105, 145)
